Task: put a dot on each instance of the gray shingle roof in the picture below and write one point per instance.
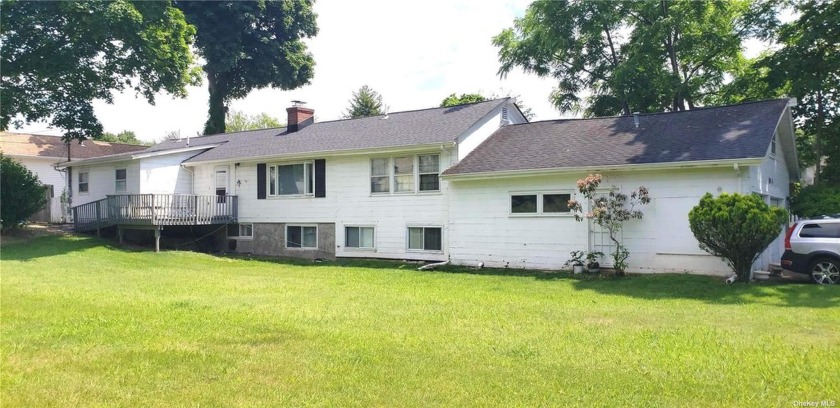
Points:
(411, 128)
(717, 133)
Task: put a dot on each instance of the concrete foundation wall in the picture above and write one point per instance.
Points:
(270, 239)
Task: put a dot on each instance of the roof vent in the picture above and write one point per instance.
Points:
(505, 117)
(636, 119)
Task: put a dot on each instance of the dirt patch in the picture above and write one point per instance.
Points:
(35, 230)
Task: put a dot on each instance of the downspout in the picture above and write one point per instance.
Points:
(192, 178)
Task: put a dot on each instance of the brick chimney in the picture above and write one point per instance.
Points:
(299, 117)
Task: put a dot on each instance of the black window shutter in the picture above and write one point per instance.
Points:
(320, 178)
(261, 181)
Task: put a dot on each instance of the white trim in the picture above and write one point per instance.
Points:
(133, 156)
(540, 211)
(360, 248)
(379, 151)
(301, 226)
(424, 251)
(615, 167)
(306, 177)
(125, 180)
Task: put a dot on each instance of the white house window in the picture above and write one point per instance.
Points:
(358, 237)
(556, 203)
(540, 203)
(380, 179)
(408, 174)
(523, 204)
(83, 182)
(301, 236)
(773, 146)
(429, 172)
(240, 230)
(425, 238)
(291, 179)
(121, 180)
(404, 174)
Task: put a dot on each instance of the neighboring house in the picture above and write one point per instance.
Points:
(41, 153)
(472, 183)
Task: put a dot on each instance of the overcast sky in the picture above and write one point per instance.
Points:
(413, 53)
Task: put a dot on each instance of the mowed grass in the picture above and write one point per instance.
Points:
(87, 324)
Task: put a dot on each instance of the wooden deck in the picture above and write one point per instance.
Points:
(155, 210)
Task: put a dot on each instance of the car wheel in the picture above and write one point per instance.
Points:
(825, 271)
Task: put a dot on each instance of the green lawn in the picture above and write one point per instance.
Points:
(88, 324)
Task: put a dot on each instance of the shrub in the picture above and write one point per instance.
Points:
(812, 201)
(736, 228)
(21, 193)
(610, 211)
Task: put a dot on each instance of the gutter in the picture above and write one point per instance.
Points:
(613, 167)
(326, 153)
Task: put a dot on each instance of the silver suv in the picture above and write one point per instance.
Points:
(812, 247)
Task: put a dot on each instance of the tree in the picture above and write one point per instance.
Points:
(238, 121)
(609, 212)
(736, 228)
(21, 193)
(250, 45)
(364, 102)
(453, 100)
(126, 136)
(808, 65)
(814, 201)
(57, 57)
(618, 57)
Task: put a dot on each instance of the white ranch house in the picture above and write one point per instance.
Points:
(471, 183)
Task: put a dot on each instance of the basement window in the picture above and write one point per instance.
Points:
(358, 237)
(425, 238)
(242, 231)
(301, 236)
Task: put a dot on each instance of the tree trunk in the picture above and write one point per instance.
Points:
(625, 106)
(216, 114)
(818, 136)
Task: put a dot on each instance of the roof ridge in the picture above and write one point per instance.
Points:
(415, 110)
(702, 108)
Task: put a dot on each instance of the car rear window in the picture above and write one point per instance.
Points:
(827, 230)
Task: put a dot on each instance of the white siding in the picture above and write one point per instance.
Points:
(102, 180)
(483, 129)
(164, 174)
(482, 229)
(771, 180)
(43, 168)
(348, 202)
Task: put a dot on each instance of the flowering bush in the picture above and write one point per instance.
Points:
(610, 211)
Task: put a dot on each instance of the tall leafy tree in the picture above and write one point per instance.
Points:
(455, 100)
(364, 102)
(238, 121)
(250, 45)
(808, 65)
(617, 57)
(57, 57)
(126, 136)
(464, 98)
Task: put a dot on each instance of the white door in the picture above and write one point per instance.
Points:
(221, 183)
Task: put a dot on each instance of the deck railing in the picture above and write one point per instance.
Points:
(155, 209)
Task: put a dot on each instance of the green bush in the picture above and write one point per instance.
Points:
(812, 201)
(736, 228)
(21, 193)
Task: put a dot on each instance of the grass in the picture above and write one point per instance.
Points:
(88, 324)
